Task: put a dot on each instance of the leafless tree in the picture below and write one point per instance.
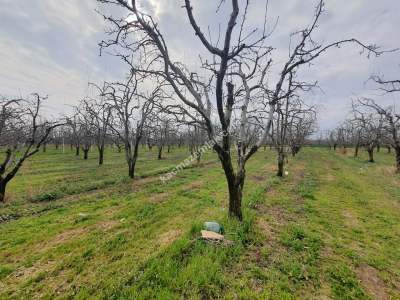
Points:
(390, 125)
(303, 125)
(83, 127)
(22, 132)
(130, 107)
(294, 121)
(355, 138)
(370, 126)
(331, 138)
(237, 65)
(75, 124)
(100, 115)
(196, 139)
(162, 128)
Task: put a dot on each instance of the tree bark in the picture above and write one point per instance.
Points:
(3, 184)
(131, 167)
(85, 153)
(356, 151)
(77, 149)
(281, 161)
(389, 149)
(397, 149)
(160, 152)
(235, 185)
(370, 155)
(101, 155)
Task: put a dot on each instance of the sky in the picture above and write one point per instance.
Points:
(51, 46)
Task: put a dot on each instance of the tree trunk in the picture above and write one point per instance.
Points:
(235, 200)
(85, 153)
(389, 149)
(3, 185)
(370, 155)
(334, 147)
(101, 155)
(281, 161)
(77, 149)
(168, 149)
(295, 150)
(198, 156)
(44, 147)
(235, 185)
(397, 160)
(356, 151)
(160, 152)
(131, 166)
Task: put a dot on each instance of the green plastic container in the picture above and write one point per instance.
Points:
(213, 226)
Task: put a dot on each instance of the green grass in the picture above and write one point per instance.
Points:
(74, 230)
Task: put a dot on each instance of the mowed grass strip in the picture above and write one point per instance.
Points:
(330, 229)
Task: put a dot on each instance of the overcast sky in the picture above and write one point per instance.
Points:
(51, 46)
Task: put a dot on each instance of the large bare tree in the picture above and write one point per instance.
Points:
(234, 71)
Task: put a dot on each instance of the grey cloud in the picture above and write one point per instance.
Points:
(51, 46)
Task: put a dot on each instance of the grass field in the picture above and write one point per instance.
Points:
(74, 230)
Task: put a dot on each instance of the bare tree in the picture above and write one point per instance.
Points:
(237, 65)
(390, 125)
(130, 108)
(76, 132)
(22, 132)
(100, 116)
(302, 126)
(331, 138)
(162, 128)
(355, 136)
(294, 121)
(370, 127)
(196, 139)
(83, 127)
